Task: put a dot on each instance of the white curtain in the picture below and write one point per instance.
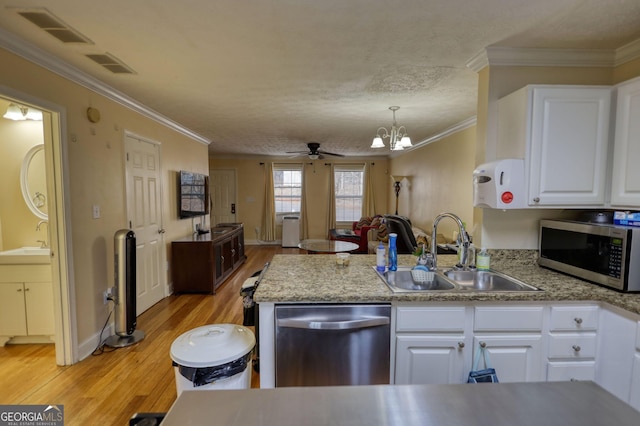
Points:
(332, 199)
(368, 195)
(268, 231)
(303, 205)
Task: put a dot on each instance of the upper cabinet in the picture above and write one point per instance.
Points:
(563, 134)
(625, 179)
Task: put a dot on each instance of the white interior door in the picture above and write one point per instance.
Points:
(144, 198)
(223, 196)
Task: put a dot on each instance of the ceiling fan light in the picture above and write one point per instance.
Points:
(377, 142)
(405, 142)
(314, 156)
(14, 113)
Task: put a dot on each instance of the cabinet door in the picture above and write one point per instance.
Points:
(625, 185)
(562, 371)
(634, 395)
(12, 310)
(568, 146)
(429, 359)
(516, 358)
(39, 303)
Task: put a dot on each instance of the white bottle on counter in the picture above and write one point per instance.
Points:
(483, 261)
(381, 259)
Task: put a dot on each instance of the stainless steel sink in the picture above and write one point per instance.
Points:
(487, 281)
(401, 281)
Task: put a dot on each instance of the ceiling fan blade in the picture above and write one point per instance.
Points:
(332, 153)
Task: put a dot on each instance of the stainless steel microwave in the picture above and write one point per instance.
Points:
(605, 254)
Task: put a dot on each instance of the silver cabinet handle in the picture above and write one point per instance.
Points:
(578, 320)
(460, 345)
(161, 231)
(483, 345)
(19, 290)
(536, 200)
(313, 324)
(576, 348)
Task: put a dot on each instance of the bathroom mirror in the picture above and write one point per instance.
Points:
(34, 182)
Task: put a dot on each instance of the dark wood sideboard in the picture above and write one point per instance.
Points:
(201, 263)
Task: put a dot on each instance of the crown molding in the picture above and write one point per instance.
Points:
(534, 57)
(33, 54)
(458, 127)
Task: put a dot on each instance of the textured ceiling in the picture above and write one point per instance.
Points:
(267, 76)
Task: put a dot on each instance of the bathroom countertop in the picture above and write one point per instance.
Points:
(317, 278)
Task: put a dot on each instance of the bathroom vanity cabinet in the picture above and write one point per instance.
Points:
(26, 303)
(201, 263)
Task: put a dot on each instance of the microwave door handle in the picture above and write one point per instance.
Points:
(313, 324)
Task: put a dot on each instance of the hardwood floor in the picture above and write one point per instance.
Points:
(111, 387)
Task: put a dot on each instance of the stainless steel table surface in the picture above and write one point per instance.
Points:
(513, 404)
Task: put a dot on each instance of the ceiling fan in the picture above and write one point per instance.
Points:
(314, 152)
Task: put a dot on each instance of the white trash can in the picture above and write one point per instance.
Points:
(216, 356)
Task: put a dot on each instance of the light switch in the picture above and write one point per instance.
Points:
(96, 211)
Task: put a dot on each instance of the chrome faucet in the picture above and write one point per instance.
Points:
(44, 243)
(464, 240)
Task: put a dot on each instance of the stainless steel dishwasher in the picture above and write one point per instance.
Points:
(326, 345)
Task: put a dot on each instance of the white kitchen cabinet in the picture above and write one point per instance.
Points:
(431, 344)
(562, 132)
(512, 337)
(616, 350)
(625, 179)
(572, 342)
(634, 394)
(26, 309)
(430, 359)
(515, 357)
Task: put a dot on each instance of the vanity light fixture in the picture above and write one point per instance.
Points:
(398, 137)
(20, 113)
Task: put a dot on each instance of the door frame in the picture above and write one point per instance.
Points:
(54, 126)
(128, 133)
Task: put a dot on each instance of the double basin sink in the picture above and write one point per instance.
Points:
(403, 281)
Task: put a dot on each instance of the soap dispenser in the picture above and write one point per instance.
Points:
(393, 252)
(381, 261)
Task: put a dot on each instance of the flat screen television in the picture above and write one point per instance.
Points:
(193, 194)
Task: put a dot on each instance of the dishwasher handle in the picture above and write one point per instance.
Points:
(315, 324)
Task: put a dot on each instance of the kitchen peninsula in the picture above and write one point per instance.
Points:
(600, 326)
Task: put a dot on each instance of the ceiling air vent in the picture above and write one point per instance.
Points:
(111, 63)
(54, 26)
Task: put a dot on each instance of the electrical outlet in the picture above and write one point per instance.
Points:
(105, 297)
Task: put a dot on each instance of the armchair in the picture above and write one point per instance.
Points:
(401, 225)
(354, 235)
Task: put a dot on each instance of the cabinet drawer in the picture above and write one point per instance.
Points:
(508, 318)
(567, 371)
(575, 345)
(573, 318)
(444, 319)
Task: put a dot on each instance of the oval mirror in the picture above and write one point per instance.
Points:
(34, 182)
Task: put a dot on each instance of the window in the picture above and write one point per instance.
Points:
(287, 188)
(348, 190)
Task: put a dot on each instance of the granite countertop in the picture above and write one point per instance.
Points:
(316, 278)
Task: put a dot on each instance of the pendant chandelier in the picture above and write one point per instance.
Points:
(398, 137)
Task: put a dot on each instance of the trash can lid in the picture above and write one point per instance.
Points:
(212, 345)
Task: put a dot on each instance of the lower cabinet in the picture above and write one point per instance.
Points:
(435, 343)
(430, 359)
(516, 358)
(201, 263)
(572, 343)
(26, 309)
